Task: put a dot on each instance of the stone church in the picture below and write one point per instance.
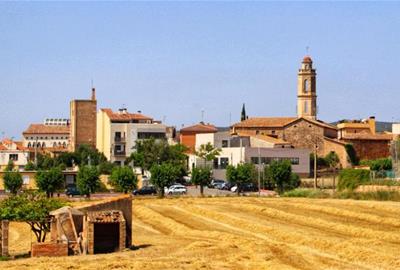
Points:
(305, 130)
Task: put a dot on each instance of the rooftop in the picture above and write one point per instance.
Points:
(46, 129)
(124, 115)
(200, 128)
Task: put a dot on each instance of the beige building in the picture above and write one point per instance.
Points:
(15, 151)
(117, 132)
(306, 90)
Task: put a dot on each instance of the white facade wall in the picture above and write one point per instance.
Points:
(46, 140)
(396, 129)
(204, 138)
(5, 157)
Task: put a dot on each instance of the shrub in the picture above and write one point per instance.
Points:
(13, 181)
(306, 193)
(350, 179)
(164, 175)
(351, 152)
(381, 164)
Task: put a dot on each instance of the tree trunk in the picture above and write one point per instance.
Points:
(202, 190)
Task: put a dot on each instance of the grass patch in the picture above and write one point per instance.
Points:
(306, 193)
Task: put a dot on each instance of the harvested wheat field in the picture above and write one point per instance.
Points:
(250, 233)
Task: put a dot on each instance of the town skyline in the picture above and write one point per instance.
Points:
(189, 66)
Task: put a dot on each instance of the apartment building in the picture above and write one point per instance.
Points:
(15, 151)
(117, 132)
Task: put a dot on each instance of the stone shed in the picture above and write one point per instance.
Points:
(105, 231)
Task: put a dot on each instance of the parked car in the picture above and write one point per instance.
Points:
(226, 186)
(215, 182)
(147, 190)
(71, 191)
(248, 187)
(177, 190)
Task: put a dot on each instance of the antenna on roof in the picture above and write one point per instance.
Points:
(91, 83)
(307, 49)
(202, 115)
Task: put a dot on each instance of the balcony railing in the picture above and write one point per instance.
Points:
(120, 139)
(119, 153)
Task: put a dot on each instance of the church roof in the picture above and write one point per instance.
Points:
(265, 122)
(266, 138)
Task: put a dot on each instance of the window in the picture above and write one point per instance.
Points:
(224, 162)
(25, 179)
(215, 163)
(254, 160)
(257, 132)
(306, 86)
(273, 132)
(13, 157)
(148, 135)
(224, 143)
(29, 145)
(54, 144)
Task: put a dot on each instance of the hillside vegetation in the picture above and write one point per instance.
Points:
(250, 233)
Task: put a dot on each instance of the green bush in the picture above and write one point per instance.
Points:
(279, 174)
(381, 164)
(12, 181)
(306, 193)
(350, 179)
(373, 195)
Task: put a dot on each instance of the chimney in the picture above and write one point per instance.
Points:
(93, 93)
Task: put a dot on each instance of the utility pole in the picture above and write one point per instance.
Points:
(315, 165)
(259, 173)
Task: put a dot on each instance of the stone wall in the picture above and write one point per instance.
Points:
(122, 203)
(370, 149)
(83, 123)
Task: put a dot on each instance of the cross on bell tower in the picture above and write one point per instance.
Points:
(306, 90)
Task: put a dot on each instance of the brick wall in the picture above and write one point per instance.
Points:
(49, 249)
(83, 123)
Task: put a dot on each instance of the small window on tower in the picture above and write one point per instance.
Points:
(306, 86)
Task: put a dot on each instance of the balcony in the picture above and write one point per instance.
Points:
(119, 139)
(120, 153)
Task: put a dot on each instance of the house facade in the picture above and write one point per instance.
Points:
(14, 151)
(117, 133)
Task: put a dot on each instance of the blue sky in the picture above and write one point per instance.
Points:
(174, 59)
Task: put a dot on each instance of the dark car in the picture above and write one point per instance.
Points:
(250, 187)
(148, 190)
(71, 191)
(215, 183)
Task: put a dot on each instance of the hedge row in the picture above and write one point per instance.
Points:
(350, 179)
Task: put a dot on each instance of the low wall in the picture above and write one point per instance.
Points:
(122, 203)
(374, 188)
(49, 249)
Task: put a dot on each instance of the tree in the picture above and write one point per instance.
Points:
(242, 174)
(351, 152)
(163, 175)
(87, 180)
(50, 181)
(32, 208)
(123, 179)
(30, 166)
(150, 152)
(13, 181)
(207, 152)
(201, 177)
(10, 166)
(279, 173)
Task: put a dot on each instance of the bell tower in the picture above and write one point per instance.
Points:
(306, 90)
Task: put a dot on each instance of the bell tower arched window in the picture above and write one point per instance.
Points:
(306, 86)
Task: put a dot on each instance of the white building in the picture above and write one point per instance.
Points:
(15, 151)
(117, 132)
(244, 148)
(53, 135)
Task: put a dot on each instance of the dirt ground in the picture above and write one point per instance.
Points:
(246, 233)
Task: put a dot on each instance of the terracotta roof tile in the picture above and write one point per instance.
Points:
(110, 216)
(265, 122)
(46, 129)
(200, 128)
(125, 116)
(364, 136)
